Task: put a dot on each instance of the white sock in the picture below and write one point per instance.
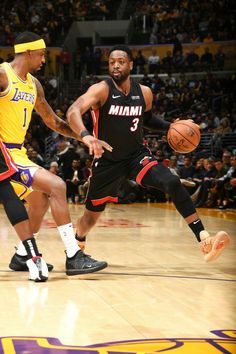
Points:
(68, 238)
(21, 251)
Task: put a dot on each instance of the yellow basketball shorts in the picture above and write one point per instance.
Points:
(23, 179)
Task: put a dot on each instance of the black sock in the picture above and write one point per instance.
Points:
(196, 227)
(80, 238)
(31, 247)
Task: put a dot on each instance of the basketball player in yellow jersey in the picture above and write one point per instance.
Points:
(18, 217)
(20, 93)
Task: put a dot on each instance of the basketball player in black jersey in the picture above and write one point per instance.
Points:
(120, 109)
(19, 219)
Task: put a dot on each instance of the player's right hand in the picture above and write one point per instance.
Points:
(96, 146)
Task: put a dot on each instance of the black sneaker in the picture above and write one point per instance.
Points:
(81, 263)
(18, 264)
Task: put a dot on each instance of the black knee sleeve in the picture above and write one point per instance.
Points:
(161, 178)
(13, 206)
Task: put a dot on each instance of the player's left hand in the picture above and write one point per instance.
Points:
(96, 146)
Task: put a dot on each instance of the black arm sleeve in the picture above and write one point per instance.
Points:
(151, 121)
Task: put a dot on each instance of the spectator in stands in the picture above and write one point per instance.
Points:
(73, 177)
(173, 165)
(157, 83)
(194, 38)
(212, 196)
(186, 172)
(87, 61)
(34, 156)
(97, 61)
(219, 59)
(177, 47)
(208, 38)
(139, 63)
(206, 59)
(226, 159)
(153, 62)
(153, 37)
(146, 80)
(226, 185)
(54, 168)
(86, 172)
(199, 171)
(205, 185)
(167, 62)
(192, 61)
(65, 60)
(65, 155)
(178, 61)
(224, 126)
(77, 64)
(216, 140)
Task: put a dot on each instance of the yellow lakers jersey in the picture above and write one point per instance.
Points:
(16, 106)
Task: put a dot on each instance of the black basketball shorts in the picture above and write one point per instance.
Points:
(107, 176)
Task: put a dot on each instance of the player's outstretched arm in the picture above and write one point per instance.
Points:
(93, 98)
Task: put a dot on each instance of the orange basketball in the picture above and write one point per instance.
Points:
(183, 136)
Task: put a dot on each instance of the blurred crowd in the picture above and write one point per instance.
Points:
(166, 21)
(177, 61)
(184, 20)
(50, 19)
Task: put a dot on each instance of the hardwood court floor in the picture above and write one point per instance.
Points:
(156, 289)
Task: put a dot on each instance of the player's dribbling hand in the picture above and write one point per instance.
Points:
(96, 146)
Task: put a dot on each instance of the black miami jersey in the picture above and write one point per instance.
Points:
(119, 121)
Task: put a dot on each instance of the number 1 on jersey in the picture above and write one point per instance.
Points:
(25, 117)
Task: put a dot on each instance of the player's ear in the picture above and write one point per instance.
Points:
(28, 53)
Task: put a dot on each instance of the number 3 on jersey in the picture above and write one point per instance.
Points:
(135, 122)
(25, 117)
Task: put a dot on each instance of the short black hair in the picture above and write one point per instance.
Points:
(123, 48)
(26, 36)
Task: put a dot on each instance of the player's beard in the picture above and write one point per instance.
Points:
(120, 79)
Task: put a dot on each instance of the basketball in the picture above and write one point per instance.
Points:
(183, 136)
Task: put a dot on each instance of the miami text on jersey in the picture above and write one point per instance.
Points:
(118, 110)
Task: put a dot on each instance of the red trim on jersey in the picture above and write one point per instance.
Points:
(142, 173)
(95, 117)
(104, 200)
(9, 162)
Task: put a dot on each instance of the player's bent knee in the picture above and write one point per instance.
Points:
(173, 184)
(59, 186)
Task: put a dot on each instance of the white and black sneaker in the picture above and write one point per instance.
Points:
(18, 263)
(38, 270)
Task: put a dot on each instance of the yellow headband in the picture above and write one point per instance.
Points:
(23, 47)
